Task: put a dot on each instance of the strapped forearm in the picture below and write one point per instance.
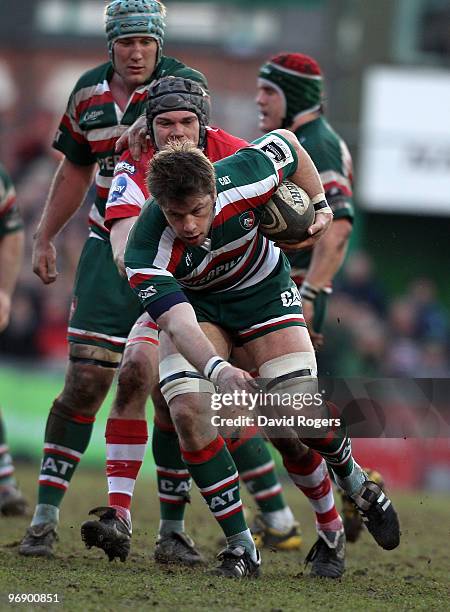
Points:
(118, 238)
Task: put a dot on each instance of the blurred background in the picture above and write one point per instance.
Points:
(387, 71)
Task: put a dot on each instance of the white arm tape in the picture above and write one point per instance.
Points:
(213, 367)
(320, 204)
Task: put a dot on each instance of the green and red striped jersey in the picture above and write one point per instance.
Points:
(10, 219)
(235, 255)
(334, 163)
(93, 122)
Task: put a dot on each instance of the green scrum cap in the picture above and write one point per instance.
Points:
(298, 78)
(125, 18)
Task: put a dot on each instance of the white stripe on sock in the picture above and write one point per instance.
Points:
(119, 484)
(130, 452)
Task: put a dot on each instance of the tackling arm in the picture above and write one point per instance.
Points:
(135, 138)
(67, 192)
(118, 238)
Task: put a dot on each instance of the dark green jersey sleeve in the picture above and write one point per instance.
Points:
(332, 159)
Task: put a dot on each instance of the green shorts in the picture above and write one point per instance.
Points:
(250, 313)
(104, 308)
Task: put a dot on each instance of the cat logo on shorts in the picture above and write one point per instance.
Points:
(247, 220)
(291, 297)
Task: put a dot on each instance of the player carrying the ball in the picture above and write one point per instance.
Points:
(209, 278)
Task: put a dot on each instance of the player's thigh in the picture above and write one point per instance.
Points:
(218, 337)
(144, 331)
(242, 359)
(279, 343)
(270, 318)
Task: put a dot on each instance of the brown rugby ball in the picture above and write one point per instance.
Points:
(287, 215)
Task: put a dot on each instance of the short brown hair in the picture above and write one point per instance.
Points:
(179, 171)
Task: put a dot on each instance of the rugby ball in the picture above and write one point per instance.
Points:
(287, 215)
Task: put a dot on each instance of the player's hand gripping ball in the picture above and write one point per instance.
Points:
(287, 215)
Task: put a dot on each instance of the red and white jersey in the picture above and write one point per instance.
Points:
(129, 189)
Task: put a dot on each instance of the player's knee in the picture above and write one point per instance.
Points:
(292, 370)
(135, 380)
(293, 375)
(183, 410)
(85, 387)
(59, 408)
(186, 392)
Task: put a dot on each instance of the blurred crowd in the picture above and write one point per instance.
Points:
(38, 325)
(368, 333)
(371, 333)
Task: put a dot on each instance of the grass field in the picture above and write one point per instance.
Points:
(413, 577)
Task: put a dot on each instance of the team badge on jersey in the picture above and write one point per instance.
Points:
(118, 189)
(91, 116)
(144, 294)
(247, 220)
